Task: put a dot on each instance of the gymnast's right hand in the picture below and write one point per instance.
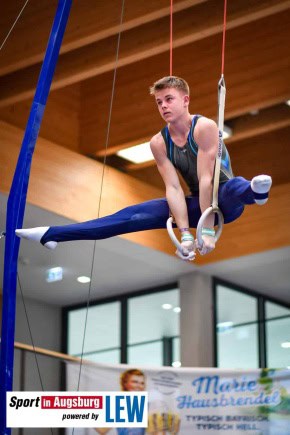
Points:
(187, 243)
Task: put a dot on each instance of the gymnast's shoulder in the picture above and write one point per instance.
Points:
(157, 143)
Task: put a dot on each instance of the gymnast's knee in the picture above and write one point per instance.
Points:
(236, 184)
(232, 215)
(141, 216)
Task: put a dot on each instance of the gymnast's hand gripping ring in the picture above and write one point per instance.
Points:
(204, 215)
(180, 249)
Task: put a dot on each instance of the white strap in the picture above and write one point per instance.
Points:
(214, 207)
(221, 114)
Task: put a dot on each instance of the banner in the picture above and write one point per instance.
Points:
(189, 401)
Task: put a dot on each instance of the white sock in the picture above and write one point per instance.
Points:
(261, 184)
(35, 234)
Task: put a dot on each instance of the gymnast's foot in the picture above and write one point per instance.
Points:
(36, 235)
(261, 185)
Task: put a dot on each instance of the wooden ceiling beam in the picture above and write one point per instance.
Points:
(268, 153)
(89, 22)
(265, 121)
(245, 127)
(262, 84)
(59, 173)
(202, 21)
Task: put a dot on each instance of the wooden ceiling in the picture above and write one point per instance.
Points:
(257, 73)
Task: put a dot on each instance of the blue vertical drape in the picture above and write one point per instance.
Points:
(16, 204)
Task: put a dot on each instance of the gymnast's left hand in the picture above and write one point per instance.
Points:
(207, 246)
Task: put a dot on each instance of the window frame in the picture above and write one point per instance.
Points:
(123, 299)
(261, 318)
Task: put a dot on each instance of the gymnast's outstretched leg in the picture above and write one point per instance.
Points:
(145, 216)
(150, 215)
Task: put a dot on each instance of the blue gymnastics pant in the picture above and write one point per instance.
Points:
(152, 215)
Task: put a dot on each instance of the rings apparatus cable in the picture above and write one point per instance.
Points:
(102, 182)
(13, 25)
(171, 39)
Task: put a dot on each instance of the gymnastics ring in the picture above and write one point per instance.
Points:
(204, 215)
(175, 241)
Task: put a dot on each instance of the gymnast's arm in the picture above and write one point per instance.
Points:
(206, 136)
(174, 193)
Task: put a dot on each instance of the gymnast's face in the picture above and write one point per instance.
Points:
(172, 104)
